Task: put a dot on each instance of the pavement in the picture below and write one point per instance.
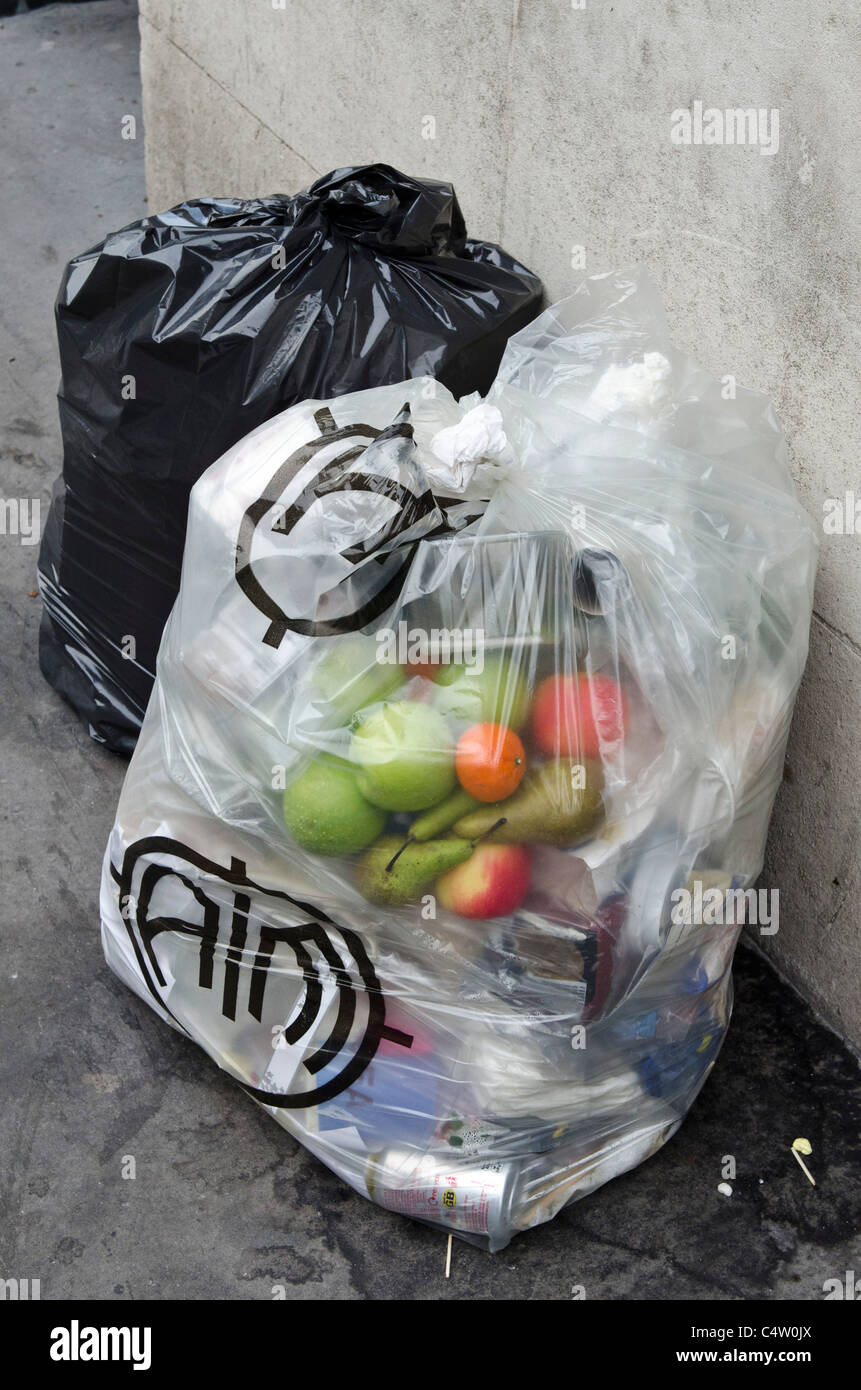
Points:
(224, 1204)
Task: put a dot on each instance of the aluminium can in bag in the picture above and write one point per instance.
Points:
(473, 1197)
(447, 788)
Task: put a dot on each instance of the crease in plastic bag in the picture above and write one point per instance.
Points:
(448, 808)
(182, 332)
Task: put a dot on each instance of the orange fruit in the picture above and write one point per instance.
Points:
(490, 761)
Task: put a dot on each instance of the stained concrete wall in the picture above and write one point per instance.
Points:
(553, 121)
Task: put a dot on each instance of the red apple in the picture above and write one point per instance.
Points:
(491, 883)
(579, 716)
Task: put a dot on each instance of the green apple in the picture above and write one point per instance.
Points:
(326, 813)
(404, 756)
(498, 694)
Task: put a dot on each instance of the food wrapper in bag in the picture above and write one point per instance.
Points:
(457, 773)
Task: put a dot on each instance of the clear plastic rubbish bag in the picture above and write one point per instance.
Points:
(468, 723)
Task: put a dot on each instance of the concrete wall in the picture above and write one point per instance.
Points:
(553, 122)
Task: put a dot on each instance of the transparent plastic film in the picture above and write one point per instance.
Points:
(448, 807)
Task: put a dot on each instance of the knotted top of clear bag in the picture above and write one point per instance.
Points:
(602, 360)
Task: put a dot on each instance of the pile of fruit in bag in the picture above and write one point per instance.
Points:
(457, 773)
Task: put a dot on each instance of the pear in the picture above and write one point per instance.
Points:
(393, 872)
(443, 816)
(347, 678)
(557, 803)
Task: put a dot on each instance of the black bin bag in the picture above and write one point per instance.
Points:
(182, 332)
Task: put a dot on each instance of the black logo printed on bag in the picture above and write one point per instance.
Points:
(417, 515)
(255, 951)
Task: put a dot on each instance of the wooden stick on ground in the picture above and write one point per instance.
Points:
(799, 1147)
